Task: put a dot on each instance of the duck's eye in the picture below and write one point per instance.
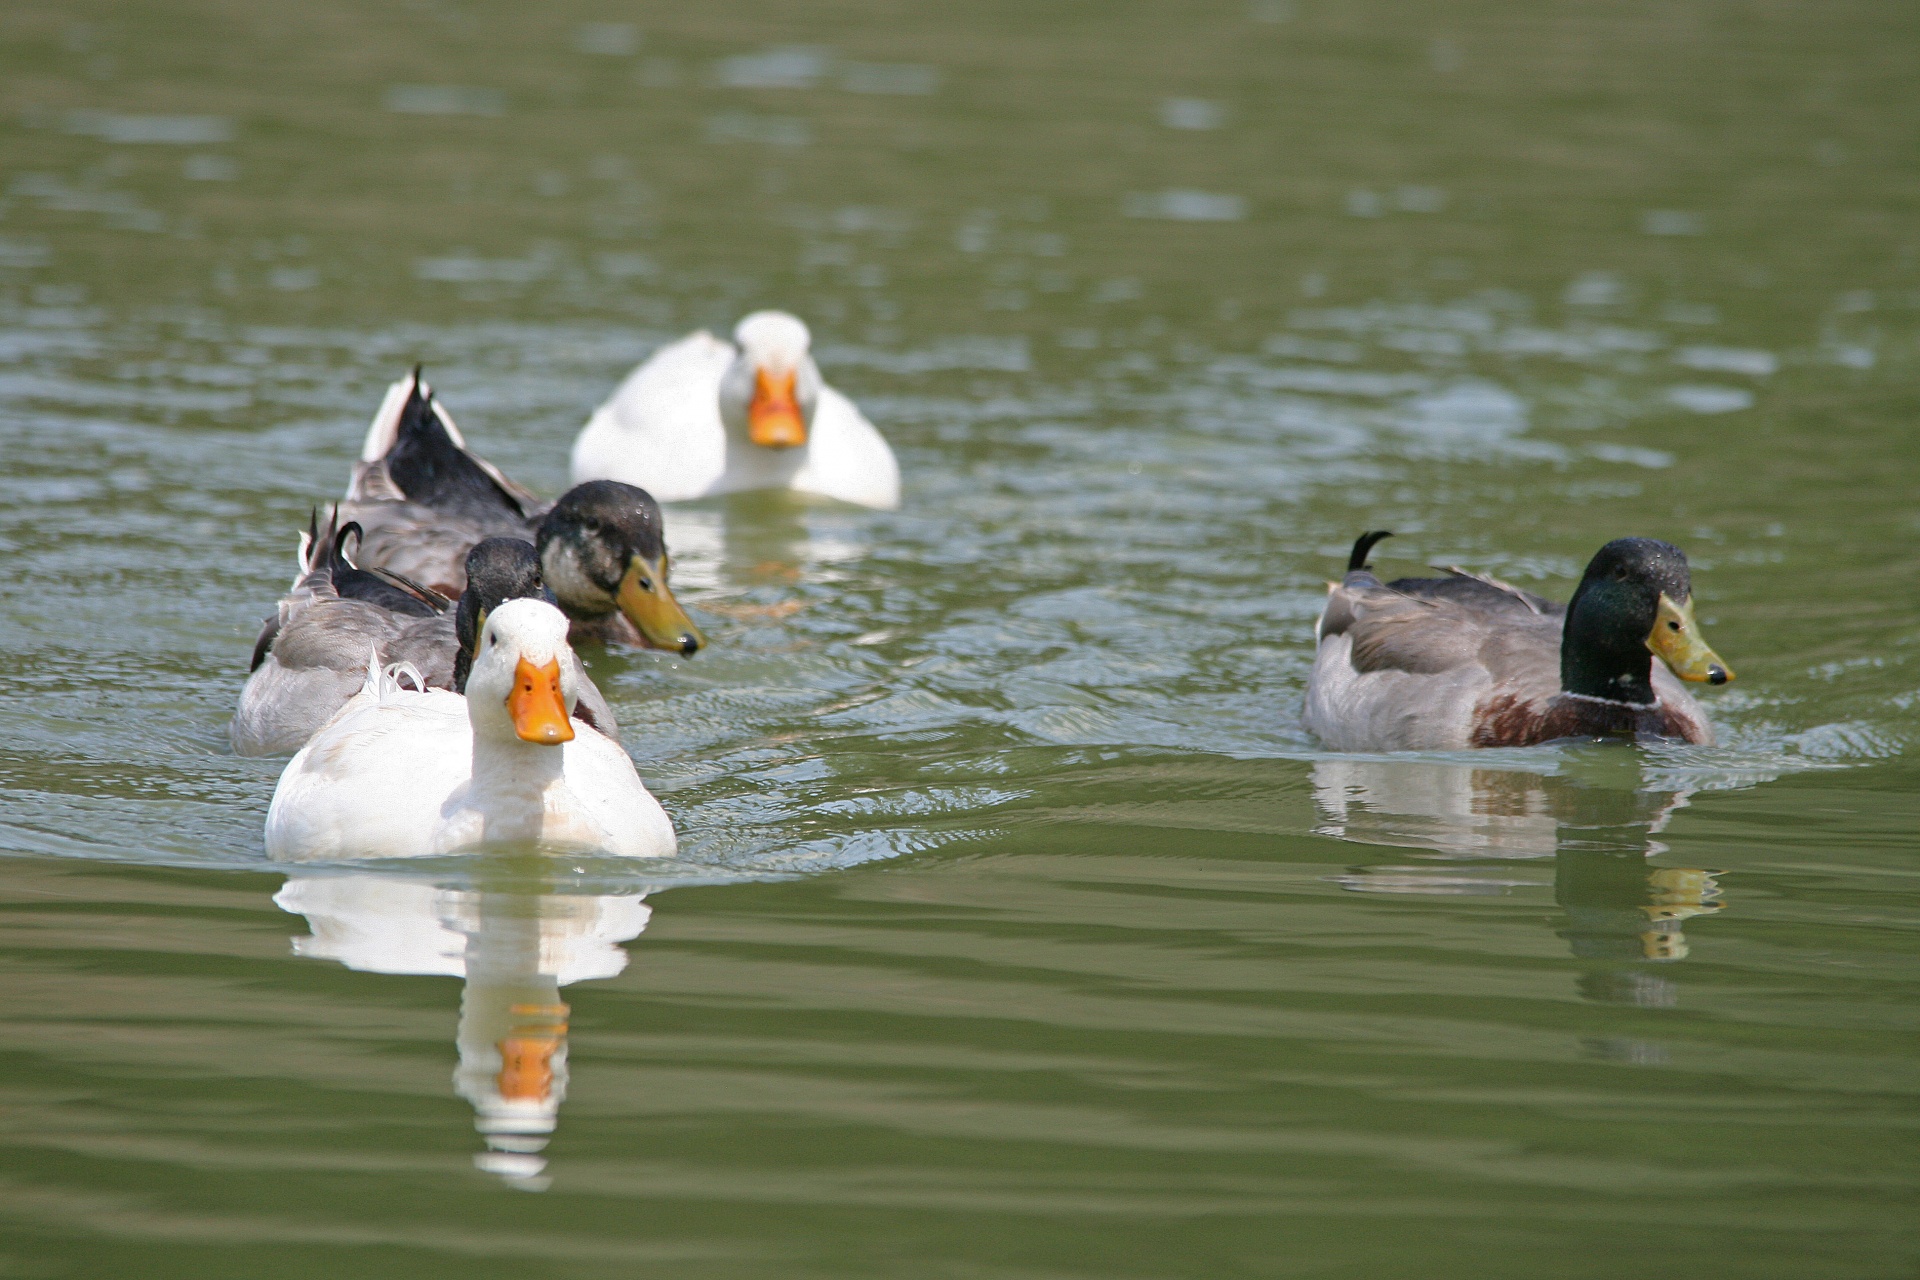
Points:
(1672, 625)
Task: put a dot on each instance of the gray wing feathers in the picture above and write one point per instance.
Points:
(1388, 709)
(592, 704)
(1399, 671)
(319, 660)
(420, 543)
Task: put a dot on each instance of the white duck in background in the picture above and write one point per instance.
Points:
(403, 773)
(703, 416)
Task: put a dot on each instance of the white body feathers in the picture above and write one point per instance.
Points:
(403, 773)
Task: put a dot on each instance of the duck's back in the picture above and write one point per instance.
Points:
(661, 428)
(318, 661)
(375, 780)
(391, 776)
(847, 457)
(1408, 667)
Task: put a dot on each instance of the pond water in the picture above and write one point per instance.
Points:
(1018, 929)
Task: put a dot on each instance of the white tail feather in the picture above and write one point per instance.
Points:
(384, 681)
(305, 557)
(386, 423)
(446, 420)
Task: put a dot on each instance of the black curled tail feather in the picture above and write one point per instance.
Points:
(338, 561)
(1357, 562)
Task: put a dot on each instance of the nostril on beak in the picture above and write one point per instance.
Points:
(689, 646)
(1716, 674)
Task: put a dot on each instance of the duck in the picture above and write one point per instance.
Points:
(407, 772)
(1435, 664)
(423, 499)
(703, 416)
(311, 654)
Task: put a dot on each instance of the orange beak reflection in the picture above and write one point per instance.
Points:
(538, 707)
(526, 1055)
(773, 415)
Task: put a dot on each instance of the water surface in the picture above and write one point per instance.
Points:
(1018, 931)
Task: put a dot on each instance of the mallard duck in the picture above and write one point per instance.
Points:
(407, 772)
(704, 416)
(311, 655)
(1422, 664)
(424, 499)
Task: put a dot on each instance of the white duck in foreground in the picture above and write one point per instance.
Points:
(703, 416)
(404, 773)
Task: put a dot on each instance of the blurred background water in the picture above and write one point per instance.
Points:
(1018, 931)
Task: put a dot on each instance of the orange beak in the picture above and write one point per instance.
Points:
(538, 707)
(773, 415)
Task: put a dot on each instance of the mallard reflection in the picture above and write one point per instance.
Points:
(515, 948)
(1619, 912)
(1597, 820)
(1471, 811)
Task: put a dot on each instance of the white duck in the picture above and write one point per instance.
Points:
(703, 416)
(404, 773)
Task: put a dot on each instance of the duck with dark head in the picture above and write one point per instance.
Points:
(1469, 661)
(425, 499)
(312, 654)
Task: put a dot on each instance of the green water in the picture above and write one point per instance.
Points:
(1019, 931)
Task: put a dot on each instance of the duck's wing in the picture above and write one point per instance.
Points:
(661, 428)
(847, 457)
(630, 821)
(1479, 591)
(312, 654)
(1408, 669)
(592, 708)
(374, 780)
(417, 543)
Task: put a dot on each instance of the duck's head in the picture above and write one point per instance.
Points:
(1636, 596)
(522, 684)
(498, 570)
(601, 549)
(768, 393)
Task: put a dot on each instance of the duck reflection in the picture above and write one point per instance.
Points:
(741, 554)
(1597, 820)
(515, 947)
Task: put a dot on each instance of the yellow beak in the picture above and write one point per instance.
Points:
(774, 420)
(650, 606)
(1676, 641)
(537, 705)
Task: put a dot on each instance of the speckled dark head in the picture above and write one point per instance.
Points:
(591, 536)
(602, 550)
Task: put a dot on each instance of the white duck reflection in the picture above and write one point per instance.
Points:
(515, 948)
(1597, 819)
(733, 557)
